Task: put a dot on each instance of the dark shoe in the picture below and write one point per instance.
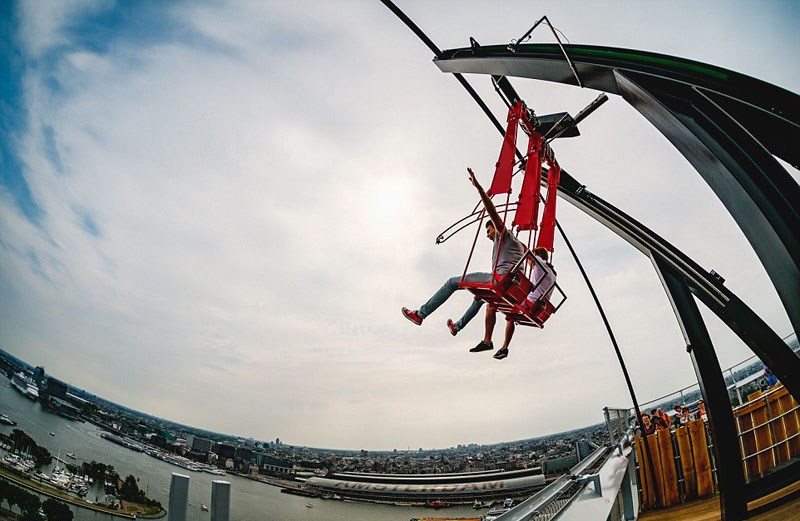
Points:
(501, 354)
(483, 346)
(452, 327)
(412, 316)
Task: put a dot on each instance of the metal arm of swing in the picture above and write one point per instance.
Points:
(475, 216)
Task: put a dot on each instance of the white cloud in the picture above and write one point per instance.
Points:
(45, 24)
(267, 191)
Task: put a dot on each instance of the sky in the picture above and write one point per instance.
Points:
(213, 212)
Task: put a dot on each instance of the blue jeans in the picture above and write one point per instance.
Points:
(450, 287)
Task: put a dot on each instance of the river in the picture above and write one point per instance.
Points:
(250, 500)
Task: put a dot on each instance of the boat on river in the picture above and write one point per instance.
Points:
(24, 384)
(496, 512)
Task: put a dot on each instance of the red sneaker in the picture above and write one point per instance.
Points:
(412, 316)
(452, 327)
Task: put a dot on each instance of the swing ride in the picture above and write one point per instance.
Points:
(508, 292)
(731, 128)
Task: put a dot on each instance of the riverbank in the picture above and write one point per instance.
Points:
(129, 510)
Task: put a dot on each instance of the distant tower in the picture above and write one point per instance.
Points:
(39, 376)
(178, 497)
(220, 501)
(584, 447)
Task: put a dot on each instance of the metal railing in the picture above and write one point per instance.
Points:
(584, 493)
(781, 434)
(550, 500)
(678, 465)
(737, 377)
(770, 422)
(618, 421)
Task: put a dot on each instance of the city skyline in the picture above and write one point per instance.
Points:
(232, 437)
(213, 212)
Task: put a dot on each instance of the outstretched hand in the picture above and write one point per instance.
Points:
(487, 202)
(472, 179)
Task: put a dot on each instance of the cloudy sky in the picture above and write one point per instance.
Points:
(214, 211)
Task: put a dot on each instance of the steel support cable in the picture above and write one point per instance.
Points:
(619, 358)
(438, 52)
(432, 46)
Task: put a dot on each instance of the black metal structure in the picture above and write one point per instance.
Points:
(728, 126)
(683, 278)
(730, 475)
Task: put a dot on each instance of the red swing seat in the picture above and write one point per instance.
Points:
(508, 294)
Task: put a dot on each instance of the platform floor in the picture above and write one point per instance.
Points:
(708, 509)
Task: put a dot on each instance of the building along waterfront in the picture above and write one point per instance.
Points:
(250, 499)
(451, 488)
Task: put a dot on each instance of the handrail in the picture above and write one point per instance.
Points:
(769, 421)
(559, 495)
(771, 447)
(539, 501)
(779, 442)
(730, 369)
(622, 417)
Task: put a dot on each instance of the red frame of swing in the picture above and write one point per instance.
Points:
(508, 293)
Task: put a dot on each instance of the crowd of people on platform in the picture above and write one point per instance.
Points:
(658, 419)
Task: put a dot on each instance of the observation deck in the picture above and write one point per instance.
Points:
(677, 480)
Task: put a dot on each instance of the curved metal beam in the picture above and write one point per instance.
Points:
(707, 287)
(728, 125)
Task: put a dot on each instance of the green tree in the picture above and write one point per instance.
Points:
(97, 470)
(56, 510)
(29, 505)
(130, 489)
(4, 489)
(24, 443)
(12, 495)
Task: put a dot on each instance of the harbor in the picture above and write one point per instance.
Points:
(47, 491)
(250, 498)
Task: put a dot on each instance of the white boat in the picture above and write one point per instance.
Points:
(18, 382)
(496, 512)
(5, 419)
(33, 391)
(22, 383)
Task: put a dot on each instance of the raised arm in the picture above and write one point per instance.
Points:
(487, 202)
